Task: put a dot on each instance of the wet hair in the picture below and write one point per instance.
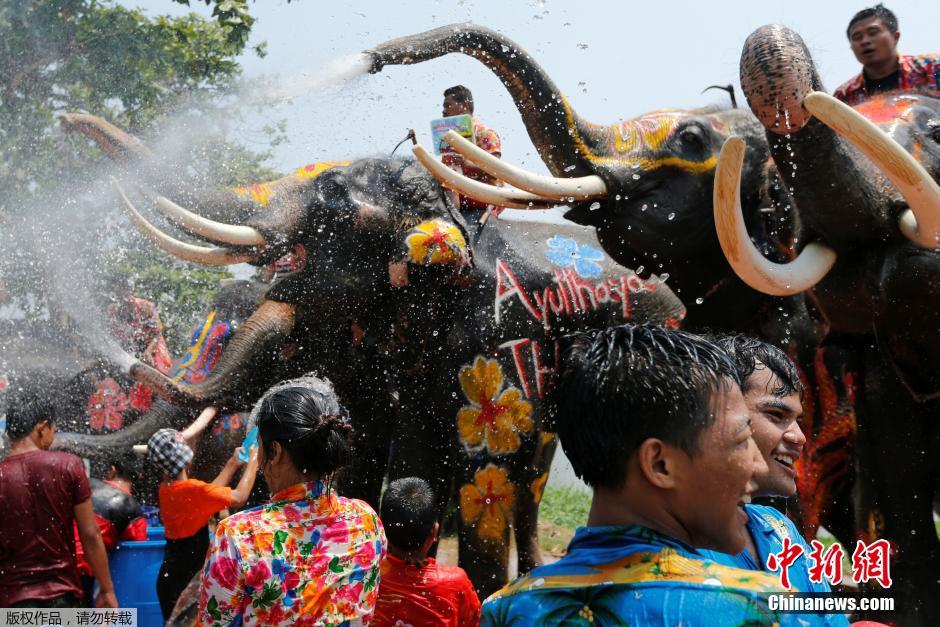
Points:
(620, 386)
(127, 466)
(28, 404)
(748, 353)
(408, 513)
(460, 94)
(887, 17)
(309, 423)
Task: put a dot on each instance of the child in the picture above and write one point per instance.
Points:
(413, 588)
(186, 505)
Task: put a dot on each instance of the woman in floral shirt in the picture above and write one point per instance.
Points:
(308, 557)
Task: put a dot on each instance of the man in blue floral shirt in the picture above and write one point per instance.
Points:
(653, 420)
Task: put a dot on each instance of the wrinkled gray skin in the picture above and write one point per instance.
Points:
(883, 291)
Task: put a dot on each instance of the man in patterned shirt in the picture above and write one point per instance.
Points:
(459, 101)
(655, 422)
(873, 34)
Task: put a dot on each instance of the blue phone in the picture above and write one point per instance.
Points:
(251, 439)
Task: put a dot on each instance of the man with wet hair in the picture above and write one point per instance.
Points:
(873, 34)
(655, 422)
(459, 101)
(772, 392)
(43, 494)
(414, 588)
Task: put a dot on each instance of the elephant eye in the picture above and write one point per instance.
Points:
(692, 138)
(933, 130)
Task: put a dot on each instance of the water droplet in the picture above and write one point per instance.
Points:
(644, 207)
(636, 177)
(595, 206)
(570, 168)
(699, 300)
(671, 216)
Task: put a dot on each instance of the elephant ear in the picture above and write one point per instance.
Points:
(436, 242)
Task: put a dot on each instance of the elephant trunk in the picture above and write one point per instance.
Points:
(161, 415)
(261, 334)
(840, 195)
(557, 132)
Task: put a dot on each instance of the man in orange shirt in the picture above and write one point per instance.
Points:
(873, 34)
(187, 505)
(413, 588)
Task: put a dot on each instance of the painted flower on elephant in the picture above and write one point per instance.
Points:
(106, 405)
(488, 502)
(495, 417)
(436, 242)
(567, 253)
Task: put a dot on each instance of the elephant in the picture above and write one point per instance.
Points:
(863, 183)
(646, 185)
(435, 328)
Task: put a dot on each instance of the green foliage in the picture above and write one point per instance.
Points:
(565, 507)
(233, 16)
(181, 291)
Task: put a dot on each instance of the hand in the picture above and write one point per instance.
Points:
(106, 600)
(253, 455)
(235, 460)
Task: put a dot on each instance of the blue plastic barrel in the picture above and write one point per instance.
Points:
(134, 570)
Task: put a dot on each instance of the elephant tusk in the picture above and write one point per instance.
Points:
(235, 235)
(482, 192)
(581, 188)
(189, 252)
(920, 223)
(749, 264)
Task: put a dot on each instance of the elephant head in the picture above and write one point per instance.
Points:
(347, 222)
(645, 183)
(863, 182)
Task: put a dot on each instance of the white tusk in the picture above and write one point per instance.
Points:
(189, 252)
(235, 235)
(921, 223)
(749, 264)
(581, 188)
(482, 192)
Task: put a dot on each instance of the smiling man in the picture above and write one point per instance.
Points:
(655, 422)
(772, 390)
(873, 34)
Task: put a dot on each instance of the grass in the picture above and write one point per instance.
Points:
(562, 510)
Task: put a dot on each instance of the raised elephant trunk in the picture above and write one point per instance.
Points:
(564, 140)
(829, 179)
(263, 333)
(160, 416)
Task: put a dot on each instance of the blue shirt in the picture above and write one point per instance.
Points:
(616, 575)
(768, 527)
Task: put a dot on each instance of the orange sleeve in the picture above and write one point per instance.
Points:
(211, 499)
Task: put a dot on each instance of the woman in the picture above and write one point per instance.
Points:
(308, 556)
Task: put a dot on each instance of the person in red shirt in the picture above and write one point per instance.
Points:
(413, 588)
(458, 100)
(873, 34)
(43, 494)
(187, 505)
(117, 513)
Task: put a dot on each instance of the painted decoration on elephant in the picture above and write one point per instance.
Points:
(487, 502)
(436, 242)
(537, 487)
(205, 348)
(225, 425)
(261, 192)
(571, 293)
(496, 414)
(566, 252)
(106, 405)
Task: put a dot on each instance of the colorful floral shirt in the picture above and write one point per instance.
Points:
(309, 557)
(615, 575)
(487, 139)
(768, 528)
(915, 73)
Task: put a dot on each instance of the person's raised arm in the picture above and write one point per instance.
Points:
(95, 554)
(228, 471)
(247, 482)
(199, 425)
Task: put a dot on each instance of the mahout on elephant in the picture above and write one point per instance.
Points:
(460, 319)
(863, 181)
(646, 185)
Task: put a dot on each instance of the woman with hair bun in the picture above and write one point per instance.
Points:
(308, 556)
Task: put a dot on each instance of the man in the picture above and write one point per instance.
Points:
(654, 421)
(414, 589)
(459, 101)
(873, 34)
(42, 494)
(772, 390)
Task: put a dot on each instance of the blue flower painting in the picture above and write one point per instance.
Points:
(567, 253)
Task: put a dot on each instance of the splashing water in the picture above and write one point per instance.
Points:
(331, 74)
